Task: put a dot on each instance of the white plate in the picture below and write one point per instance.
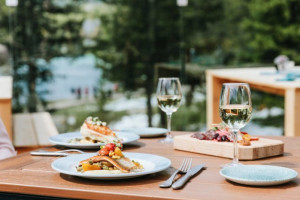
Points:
(151, 163)
(258, 175)
(64, 138)
(147, 131)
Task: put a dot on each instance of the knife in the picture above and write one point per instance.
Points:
(183, 180)
(48, 153)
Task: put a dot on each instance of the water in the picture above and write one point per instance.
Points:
(71, 74)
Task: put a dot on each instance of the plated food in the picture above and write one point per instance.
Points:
(151, 164)
(261, 148)
(221, 133)
(63, 139)
(109, 160)
(218, 142)
(93, 131)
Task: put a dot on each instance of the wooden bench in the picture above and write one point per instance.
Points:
(33, 129)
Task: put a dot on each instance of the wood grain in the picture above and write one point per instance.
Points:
(27, 174)
(292, 112)
(213, 90)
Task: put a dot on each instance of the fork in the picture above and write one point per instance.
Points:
(70, 150)
(54, 153)
(185, 166)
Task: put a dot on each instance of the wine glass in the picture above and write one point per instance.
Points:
(235, 110)
(168, 97)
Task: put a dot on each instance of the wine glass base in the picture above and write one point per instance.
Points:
(232, 164)
(167, 140)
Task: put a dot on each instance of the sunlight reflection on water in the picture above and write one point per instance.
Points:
(71, 74)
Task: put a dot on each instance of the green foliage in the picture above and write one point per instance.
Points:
(40, 30)
(123, 48)
(274, 121)
(4, 22)
(192, 118)
(261, 100)
(272, 29)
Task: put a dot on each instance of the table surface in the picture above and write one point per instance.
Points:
(262, 76)
(27, 174)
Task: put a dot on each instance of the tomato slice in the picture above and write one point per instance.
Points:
(110, 146)
(254, 138)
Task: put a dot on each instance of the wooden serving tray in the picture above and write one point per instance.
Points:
(258, 149)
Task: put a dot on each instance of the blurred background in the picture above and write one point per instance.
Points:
(79, 58)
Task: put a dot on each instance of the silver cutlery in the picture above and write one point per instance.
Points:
(183, 180)
(185, 166)
(54, 153)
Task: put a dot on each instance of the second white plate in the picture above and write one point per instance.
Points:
(147, 131)
(64, 138)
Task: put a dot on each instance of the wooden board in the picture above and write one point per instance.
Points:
(259, 149)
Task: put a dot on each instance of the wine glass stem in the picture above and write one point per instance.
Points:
(169, 116)
(235, 148)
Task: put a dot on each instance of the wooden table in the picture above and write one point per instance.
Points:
(33, 175)
(5, 102)
(259, 81)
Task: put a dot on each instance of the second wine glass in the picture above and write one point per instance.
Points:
(235, 111)
(168, 98)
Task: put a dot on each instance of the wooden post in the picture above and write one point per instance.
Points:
(292, 112)
(213, 88)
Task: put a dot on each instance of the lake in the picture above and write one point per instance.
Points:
(70, 75)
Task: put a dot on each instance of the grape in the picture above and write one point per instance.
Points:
(216, 136)
(199, 135)
(224, 138)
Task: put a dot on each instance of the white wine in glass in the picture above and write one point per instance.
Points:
(168, 98)
(235, 110)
